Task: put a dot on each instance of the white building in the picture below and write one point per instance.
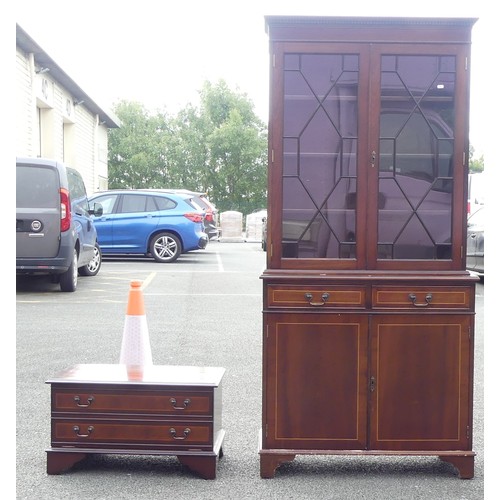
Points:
(56, 118)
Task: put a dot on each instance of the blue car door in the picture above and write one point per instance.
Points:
(81, 217)
(104, 223)
(134, 221)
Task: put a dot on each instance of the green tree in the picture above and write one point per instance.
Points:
(190, 151)
(219, 148)
(237, 141)
(137, 149)
(475, 164)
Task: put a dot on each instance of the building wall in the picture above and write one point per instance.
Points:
(24, 105)
(51, 124)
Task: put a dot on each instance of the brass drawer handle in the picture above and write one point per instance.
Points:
(413, 298)
(89, 401)
(76, 429)
(186, 433)
(309, 296)
(187, 401)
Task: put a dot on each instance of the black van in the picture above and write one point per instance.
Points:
(55, 233)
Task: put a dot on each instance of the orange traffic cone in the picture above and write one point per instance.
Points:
(135, 348)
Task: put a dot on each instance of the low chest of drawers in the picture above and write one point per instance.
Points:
(154, 410)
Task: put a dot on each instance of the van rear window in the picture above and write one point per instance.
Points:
(36, 187)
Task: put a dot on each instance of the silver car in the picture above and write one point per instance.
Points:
(475, 241)
(55, 233)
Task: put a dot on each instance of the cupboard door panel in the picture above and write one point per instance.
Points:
(420, 382)
(317, 370)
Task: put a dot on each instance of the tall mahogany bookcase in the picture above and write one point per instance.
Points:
(368, 311)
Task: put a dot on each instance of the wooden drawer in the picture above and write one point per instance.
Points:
(421, 297)
(139, 402)
(316, 296)
(143, 434)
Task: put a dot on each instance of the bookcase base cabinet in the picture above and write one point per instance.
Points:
(119, 409)
(368, 370)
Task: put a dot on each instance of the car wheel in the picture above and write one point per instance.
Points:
(68, 280)
(165, 247)
(92, 268)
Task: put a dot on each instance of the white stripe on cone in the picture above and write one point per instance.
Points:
(136, 349)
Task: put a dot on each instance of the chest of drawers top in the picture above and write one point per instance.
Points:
(141, 377)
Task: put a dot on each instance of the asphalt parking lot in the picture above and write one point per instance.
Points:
(203, 310)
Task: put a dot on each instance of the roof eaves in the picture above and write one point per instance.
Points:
(43, 60)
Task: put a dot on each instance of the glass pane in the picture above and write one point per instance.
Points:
(320, 164)
(416, 157)
(36, 187)
(133, 203)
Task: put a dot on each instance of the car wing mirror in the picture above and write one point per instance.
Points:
(96, 210)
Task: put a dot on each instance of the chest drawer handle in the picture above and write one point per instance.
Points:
(174, 402)
(186, 433)
(413, 298)
(324, 297)
(76, 430)
(89, 401)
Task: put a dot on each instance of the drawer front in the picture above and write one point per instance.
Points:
(316, 296)
(89, 432)
(421, 297)
(163, 403)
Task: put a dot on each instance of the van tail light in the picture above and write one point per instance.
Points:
(65, 210)
(468, 207)
(209, 216)
(194, 217)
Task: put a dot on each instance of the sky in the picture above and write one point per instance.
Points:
(160, 53)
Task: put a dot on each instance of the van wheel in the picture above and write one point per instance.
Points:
(165, 247)
(92, 268)
(68, 280)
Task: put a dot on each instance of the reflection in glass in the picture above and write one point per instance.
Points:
(416, 157)
(319, 166)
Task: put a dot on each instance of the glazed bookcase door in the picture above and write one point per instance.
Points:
(317, 151)
(418, 166)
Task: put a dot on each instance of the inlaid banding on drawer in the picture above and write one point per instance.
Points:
(162, 403)
(421, 297)
(316, 296)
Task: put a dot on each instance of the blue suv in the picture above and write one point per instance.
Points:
(151, 222)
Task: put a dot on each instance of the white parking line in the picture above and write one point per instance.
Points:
(219, 263)
(148, 280)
